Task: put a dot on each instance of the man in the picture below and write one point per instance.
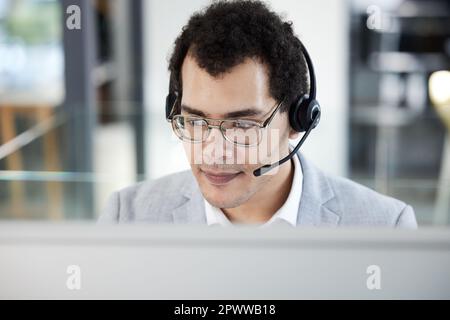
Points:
(237, 68)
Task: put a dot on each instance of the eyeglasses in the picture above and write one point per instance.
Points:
(241, 132)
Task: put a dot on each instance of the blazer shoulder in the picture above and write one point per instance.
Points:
(148, 200)
(364, 206)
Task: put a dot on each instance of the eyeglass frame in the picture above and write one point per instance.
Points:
(262, 125)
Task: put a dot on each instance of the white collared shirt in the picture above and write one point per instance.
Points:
(286, 214)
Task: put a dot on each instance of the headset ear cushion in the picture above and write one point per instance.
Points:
(295, 114)
(312, 113)
(303, 112)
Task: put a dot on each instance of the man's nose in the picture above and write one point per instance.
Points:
(216, 149)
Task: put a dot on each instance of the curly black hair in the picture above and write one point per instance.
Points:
(225, 33)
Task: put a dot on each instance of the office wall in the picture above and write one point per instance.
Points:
(321, 25)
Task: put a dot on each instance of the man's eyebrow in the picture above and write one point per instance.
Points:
(193, 111)
(230, 115)
(249, 112)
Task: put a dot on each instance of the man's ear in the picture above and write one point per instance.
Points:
(293, 134)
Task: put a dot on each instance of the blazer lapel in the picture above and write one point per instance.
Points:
(318, 205)
(192, 209)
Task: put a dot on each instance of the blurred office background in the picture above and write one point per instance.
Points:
(82, 110)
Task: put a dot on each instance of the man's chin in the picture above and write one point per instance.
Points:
(228, 197)
(223, 194)
(221, 203)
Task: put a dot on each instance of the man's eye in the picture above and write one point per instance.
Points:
(195, 122)
(243, 125)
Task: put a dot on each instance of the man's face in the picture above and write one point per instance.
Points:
(224, 171)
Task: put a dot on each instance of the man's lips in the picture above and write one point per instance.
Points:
(220, 178)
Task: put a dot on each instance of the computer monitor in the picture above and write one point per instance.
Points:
(77, 261)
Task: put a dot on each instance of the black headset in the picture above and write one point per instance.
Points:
(304, 112)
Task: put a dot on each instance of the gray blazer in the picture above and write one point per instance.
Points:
(326, 201)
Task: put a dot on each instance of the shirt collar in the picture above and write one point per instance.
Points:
(287, 213)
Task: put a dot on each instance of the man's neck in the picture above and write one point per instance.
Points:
(263, 205)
